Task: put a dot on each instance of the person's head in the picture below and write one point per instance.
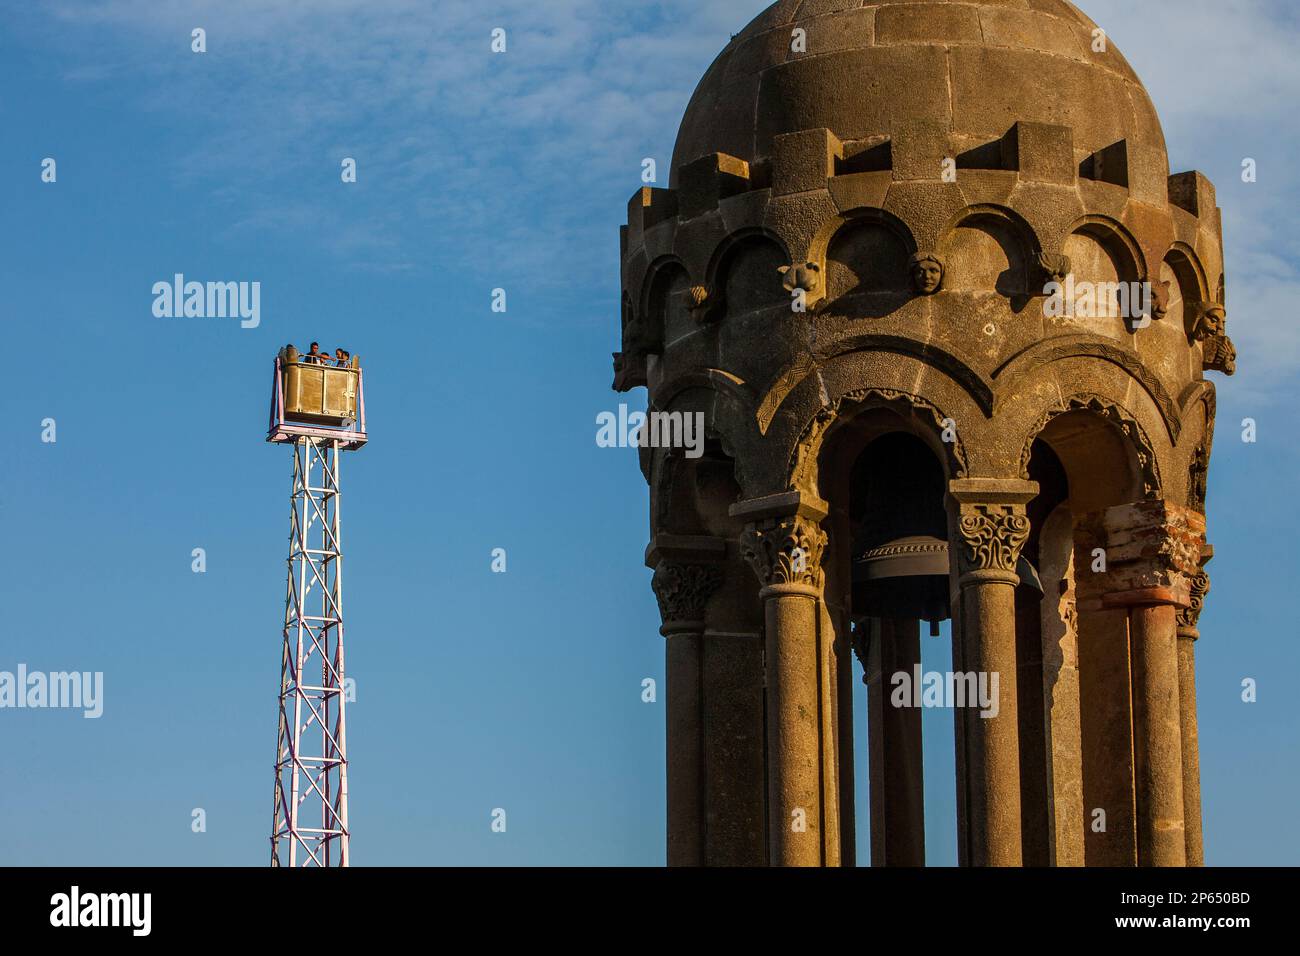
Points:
(340, 354)
(315, 348)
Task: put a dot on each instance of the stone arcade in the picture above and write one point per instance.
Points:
(924, 438)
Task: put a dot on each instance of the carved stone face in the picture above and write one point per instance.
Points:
(806, 277)
(1215, 321)
(1054, 268)
(1159, 299)
(927, 275)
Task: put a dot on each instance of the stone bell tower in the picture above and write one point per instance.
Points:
(924, 272)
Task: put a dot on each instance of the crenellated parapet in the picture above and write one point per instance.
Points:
(955, 259)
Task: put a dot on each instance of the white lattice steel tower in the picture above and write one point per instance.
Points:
(320, 411)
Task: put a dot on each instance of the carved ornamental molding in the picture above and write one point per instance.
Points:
(803, 459)
(785, 551)
(1189, 617)
(1112, 412)
(683, 590)
(992, 536)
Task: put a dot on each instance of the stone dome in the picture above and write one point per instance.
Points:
(974, 68)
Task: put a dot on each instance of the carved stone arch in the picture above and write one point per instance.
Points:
(722, 264)
(865, 251)
(1199, 391)
(661, 305)
(955, 367)
(710, 378)
(862, 215)
(1181, 256)
(1117, 241)
(1113, 412)
(1008, 377)
(1188, 286)
(1024, 229)
(729, 419)
(989, 248)
(931, 423)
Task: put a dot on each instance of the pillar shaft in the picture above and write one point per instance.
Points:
(1191, 751)
(989, 529)
(992, 743)
(1188, 633)
(683, 591)
(897, 775)
(1153, 553)
(685, 748)
(793, 738)
(1157, 736)
(784, 544)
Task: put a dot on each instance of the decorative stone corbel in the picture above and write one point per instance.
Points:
(706, 306)
(806, 278)
(1189, 617)
(1053, 267)
(1210, 328)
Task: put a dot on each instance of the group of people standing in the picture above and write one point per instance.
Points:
(341, 359)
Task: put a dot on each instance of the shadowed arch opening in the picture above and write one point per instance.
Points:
(747, 274)
(867, 259)
(883, 472)
(1073, 660)
(665, 309)
(988, 251)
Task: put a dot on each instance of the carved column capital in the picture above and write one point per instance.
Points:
(1189, 617)
(991, 537)
(683, 592)
(783, 542)
(990, 526)
(785, 551)
(687, 573)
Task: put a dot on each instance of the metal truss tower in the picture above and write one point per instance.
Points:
(311, 767)
(320, 413)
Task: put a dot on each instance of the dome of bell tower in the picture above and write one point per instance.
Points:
(859, 69)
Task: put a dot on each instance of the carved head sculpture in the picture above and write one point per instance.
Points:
(926, 269)
(806, 277)
(704, 305)
(1159, 299)
(1211, 331)
(1213, 321)
(1054, 268)
(629, 371)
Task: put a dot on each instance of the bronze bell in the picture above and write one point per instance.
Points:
(903, 578)
(908, 578)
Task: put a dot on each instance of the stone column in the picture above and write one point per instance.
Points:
(686, 576)
(1060, 650)
(1153, 551)
(783, 543)
(1188, 633)
(989, 527)
(894, 737)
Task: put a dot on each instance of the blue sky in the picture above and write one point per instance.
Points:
(475, 690)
